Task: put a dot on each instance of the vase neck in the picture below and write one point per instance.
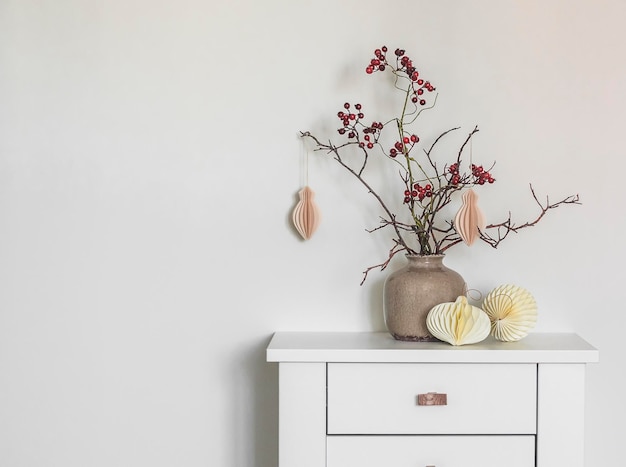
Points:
(425, 261)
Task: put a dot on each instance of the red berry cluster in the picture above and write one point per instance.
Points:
(454, 172)
(400, 145)
(403, 64)
(481, 175)
(419, 192)
(418, 84)
(349, 120)
(379, 62)
(371, 130)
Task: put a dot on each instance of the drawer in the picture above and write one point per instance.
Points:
(381, 398)
(435, 451)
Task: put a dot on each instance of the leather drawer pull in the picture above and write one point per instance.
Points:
(432, 398)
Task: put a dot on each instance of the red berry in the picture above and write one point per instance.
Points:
(358, 106)
(370, 145)
(381, 67)
(414, 138)
(414, 193)
(369, 70)
(406, 140)
(422, 102)
(346, 106)
(384, 47)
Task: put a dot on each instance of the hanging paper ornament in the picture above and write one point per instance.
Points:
(469, 220)
(306, 215)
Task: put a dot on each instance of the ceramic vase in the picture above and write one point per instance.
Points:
(410, 292)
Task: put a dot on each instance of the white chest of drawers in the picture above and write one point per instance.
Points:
(367, 400)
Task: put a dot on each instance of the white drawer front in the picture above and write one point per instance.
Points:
(375, 398)
(436, 451)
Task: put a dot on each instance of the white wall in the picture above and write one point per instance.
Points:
(149, 162)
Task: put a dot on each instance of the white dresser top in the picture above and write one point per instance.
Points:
(381, 347)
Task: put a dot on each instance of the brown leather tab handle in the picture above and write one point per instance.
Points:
(432, 398)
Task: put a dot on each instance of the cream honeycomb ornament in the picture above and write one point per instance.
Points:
(512, 311)
(458, 323)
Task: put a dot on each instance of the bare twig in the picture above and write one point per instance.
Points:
(335, 150)
(397, 248)
(503, 229)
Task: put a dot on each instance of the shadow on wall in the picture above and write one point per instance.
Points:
(376, 315)
(256, 407)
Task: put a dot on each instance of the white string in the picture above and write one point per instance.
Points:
(306, 168)
(304, 163)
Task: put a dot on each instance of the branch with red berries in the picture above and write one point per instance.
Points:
(428, 184)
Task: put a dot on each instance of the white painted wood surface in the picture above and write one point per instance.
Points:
(381, 347)
(561, 424)
(558, 361)
(302, 415)
(482, 398)
(435, 451)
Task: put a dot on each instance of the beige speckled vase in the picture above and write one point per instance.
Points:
(410, 292)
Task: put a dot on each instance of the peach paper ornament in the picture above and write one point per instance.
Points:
(469, 220)
(306, 215)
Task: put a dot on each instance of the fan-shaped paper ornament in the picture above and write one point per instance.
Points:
(458, 323)
(512, 311)
(469, 220)
(306, 215)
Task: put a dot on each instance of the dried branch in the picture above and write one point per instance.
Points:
(428, 186)
(335, 150)
(503, 229)
(467, 140)
(397, 248)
